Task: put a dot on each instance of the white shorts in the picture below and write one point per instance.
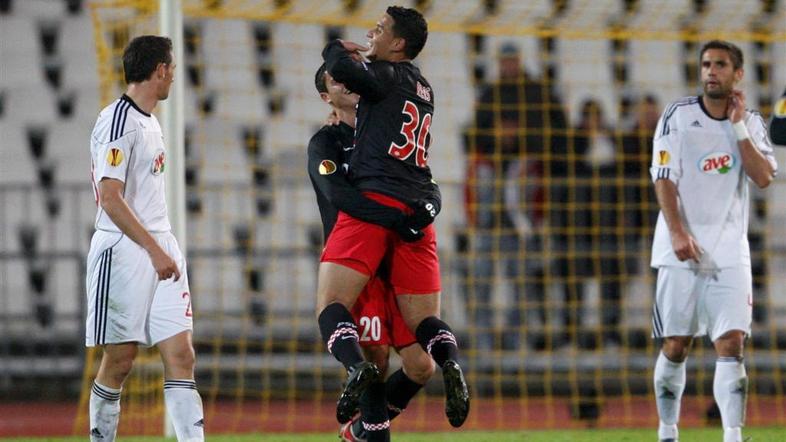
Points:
(125, 300)
(691, 304)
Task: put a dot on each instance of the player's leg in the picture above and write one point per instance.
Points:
(373, 423)
(415, 279)
(674, 319)
(183, 403)
(421, 313)
(171, 328)
(417, 368)
(119, 284)
(116, 363)
(728, 306)
(352, 254)
(338, 288)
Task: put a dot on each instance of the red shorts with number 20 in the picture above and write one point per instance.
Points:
(361, 246)
(378, 317)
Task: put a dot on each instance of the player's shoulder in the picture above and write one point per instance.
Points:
(327, 137)
(119, 118)
(682, 104)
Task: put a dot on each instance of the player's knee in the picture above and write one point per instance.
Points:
(183, 359)
(419, 368)
(730, 344)
(676, 348)
(117, 367)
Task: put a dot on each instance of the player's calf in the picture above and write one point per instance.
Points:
(438, 340)
(340, 334)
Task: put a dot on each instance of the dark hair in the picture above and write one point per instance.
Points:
(319, 79)
(410, 25)
(142, 56)
(735, 53)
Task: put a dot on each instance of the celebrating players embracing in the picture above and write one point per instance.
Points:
(381, 324)
(390, 165)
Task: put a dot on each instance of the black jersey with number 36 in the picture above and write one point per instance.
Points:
(393, 122)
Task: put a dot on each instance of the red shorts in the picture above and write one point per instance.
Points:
(361, 246)
(378, 318)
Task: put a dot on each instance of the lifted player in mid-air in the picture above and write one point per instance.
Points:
(375, 310)
(390, 165)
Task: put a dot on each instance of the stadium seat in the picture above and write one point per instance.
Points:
(579, 60)
(16, 164)
(655, 69)
(20, 49)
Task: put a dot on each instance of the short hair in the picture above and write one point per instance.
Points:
(735, 53)
(142, 56)
(319, 79)
(410, 25)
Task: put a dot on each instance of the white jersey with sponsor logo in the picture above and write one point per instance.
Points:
(127, 145)
(700, 155)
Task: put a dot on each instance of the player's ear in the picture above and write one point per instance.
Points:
(161, 70)
(738, 74)
(325, 97)
(398, 44)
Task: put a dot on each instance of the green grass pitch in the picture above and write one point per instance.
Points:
(773, 434)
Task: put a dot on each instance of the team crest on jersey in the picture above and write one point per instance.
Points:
(114, 157)
(780, 108)
(717, 163)
(326, 167)
(424, 92)
(663, 158)
(159, 163)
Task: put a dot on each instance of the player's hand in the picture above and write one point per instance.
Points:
(423, 215)
(406, 232)
(354, 49)
(685, 247)
(735, 108)
(165, 266)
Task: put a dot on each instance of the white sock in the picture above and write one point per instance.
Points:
(732, 434)
(104, 413)
(185, 409)
(669, 385)
(730, 388)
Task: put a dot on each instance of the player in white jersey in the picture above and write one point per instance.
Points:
(705, 151)
(137, 287)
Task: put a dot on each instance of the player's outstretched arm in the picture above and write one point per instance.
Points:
(778, 124)
(115, 206)
(372, 81)
(324, 171)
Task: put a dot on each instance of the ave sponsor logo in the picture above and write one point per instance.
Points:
(159, 163)
(717, 163)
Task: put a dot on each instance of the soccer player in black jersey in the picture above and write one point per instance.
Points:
(778, 123)
(376, 312)
(390, 165)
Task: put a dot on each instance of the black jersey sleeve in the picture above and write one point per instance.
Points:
(324, 169)
(372, 81)
(778, 124)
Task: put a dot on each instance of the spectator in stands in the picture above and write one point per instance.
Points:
(517, 119)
